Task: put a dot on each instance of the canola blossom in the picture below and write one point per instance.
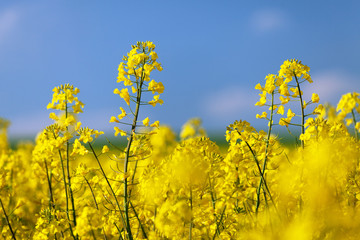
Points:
(158, 186)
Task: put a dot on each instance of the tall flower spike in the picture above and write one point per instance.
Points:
(134, 73)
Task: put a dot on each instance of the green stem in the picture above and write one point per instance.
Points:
(66, 195)
(108, 183)
(65, 186)
(266, 150)
(92, 193)
(259, 169)
(68, 168)
(7, 220)
(69, 182)
(127, 153)
(217, 231)
(302, 110)
(137, 217)
(355, 130)
(51, 198)
(191, 207)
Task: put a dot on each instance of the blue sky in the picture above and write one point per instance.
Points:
(213, 54)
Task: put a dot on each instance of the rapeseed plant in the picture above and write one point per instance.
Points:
(156, 187)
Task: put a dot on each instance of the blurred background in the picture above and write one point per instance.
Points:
(213, 54)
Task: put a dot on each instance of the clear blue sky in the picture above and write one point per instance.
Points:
(213, 54)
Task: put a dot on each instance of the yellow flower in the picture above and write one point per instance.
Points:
(78, 148)
(156, 100)
(357, 126)
(259, 87)
(122, 114)
(156, 87)
(348, 121)
(53, 116)
(155, 124)
(77, 107)
(262, 100)
(133, 89)
(284, 100)
(86, 134)
(270, 83)
(296, 92)
(124, 94)
(153, 56)
(283, 122)
(315, 98)
(146, 121)
(290, 114)
(263, 115)
(283, 90)
(280, 110)
(105, 149)
(78, 124)
(118, 130)
(113, 119)
(116, 91)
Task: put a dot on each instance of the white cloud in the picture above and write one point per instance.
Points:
(331, 84)
(229, 102)
(33, 123)
(8, 20)
(29, 124)
(267, 20)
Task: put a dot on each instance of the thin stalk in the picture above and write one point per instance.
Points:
(217, 231)
(302, 110)
(120, 236)
(51, 198)
(66, 195)
(355, 130)
(7, 220)
(137, 217)
(133, 177)
(266, 149)
(65, 185)
(68, 169)
(213, 202)
(92, 230)
(191, 207)
(107, 181)
(104, 234)
(127, 153)
(92, 193)
(259, 169)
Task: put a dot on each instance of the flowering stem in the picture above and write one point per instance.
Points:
(127, 153)
(107, 181)
(302, 110)
(65, 185)
(261, 173)
(68, 169)
(69, 182)
(7, 220)
(66, 194)
(266, 148)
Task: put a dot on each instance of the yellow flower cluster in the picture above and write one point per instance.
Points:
(65, 95)
(286, 84)
(135, 72)
(192, 128)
